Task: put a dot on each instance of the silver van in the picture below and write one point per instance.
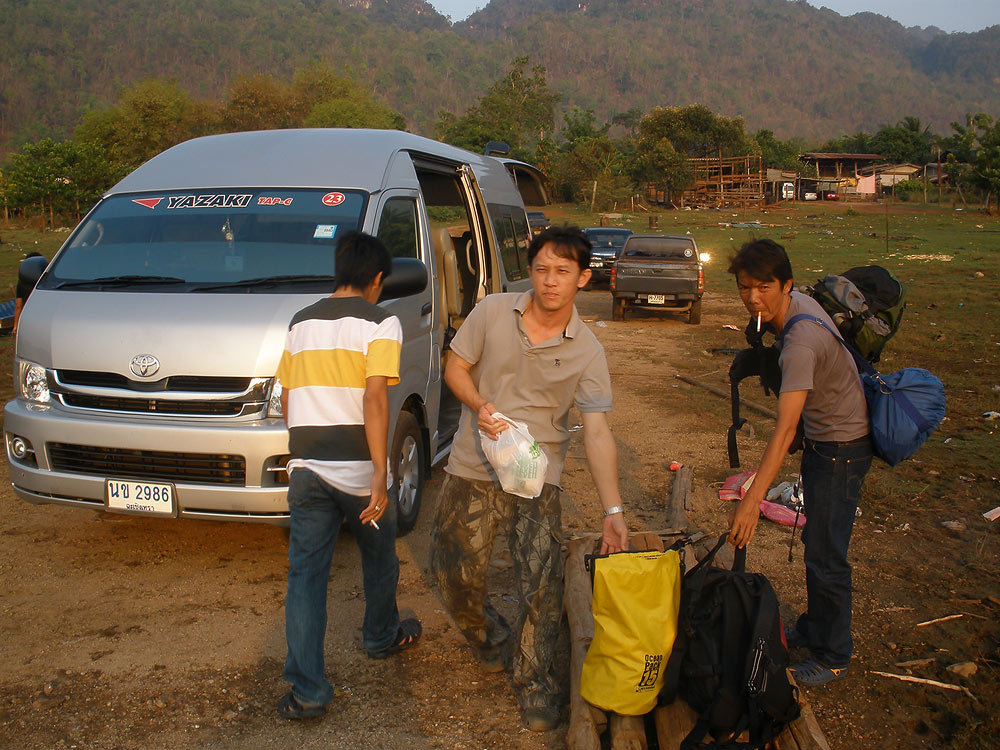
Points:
(146, 353)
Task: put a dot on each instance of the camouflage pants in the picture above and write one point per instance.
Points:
(469, 518)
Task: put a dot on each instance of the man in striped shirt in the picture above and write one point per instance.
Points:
(341, 355)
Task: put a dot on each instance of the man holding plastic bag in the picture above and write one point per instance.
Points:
(518, 364)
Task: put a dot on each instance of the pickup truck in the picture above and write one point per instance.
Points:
(606, 243)
(658, 271)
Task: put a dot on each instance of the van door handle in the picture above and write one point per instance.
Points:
(426, 309)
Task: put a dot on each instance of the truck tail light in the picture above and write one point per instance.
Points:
(613, 279)
(701, 279)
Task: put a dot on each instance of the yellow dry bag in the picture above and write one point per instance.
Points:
(636, 601)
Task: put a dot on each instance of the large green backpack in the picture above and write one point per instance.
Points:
(866, 303)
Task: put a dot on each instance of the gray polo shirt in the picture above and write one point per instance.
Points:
(813, 360)
(536, 384)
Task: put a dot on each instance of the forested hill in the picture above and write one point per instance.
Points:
(787, 66)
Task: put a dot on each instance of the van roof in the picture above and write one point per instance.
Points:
(321, 158)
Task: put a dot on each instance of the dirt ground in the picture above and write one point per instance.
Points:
(125, 632)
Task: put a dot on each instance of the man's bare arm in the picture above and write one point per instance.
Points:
(459, 378)
(602, 456)
(744, 517)
(375, 404)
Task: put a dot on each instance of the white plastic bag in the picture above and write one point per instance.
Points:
(517, 459)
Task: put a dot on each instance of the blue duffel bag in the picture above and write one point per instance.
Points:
(904, 407)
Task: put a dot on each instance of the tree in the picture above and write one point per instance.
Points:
(695, 131)
(904, 142)
(518, 109)
(579, 125)
(778, 154)
(258, 102)
(63, 177)
(859, 143)
(980, 137)
(151, 116)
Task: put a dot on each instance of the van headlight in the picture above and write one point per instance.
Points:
(274, 402)
(32, 382)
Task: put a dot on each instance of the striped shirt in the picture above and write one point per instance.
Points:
(331, 349)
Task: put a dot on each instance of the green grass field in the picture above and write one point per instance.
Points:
(949, 261)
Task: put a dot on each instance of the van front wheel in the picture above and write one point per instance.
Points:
(408, 469)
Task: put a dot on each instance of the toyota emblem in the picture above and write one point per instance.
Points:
(144, 365)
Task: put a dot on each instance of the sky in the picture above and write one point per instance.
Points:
(950, 15)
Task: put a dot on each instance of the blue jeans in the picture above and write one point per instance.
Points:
(832, 475)
(318, 510)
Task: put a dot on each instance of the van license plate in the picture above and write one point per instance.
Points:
(147, 498)
(656, 299)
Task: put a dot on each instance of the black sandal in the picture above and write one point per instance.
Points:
(290, 708)
(407, 635)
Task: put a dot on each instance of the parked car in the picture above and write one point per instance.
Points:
(606, 243)
(658, 271)
(538, 221)
(147, 351)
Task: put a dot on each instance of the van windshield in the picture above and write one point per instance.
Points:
(252, 240)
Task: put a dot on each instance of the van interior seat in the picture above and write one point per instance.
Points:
(468, 267)
(448, 279)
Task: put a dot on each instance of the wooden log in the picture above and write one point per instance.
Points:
(753, 406)
(673, 722)
(677, 505)
(585, 725)
(645, 540)
(628, 733)
(805, 729)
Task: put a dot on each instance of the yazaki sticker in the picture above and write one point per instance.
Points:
(147, 202)
(333, 199)
(209, 201)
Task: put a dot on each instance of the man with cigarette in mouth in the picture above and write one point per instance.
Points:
(820, 385)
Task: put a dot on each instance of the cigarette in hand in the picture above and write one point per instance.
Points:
(375, 525)
(758, 322)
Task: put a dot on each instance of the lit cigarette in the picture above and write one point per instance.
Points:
(376, 526)
(758, 322)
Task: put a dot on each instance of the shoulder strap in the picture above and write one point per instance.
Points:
(862, 364)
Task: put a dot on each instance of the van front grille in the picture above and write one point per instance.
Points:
(193, 468)
(156, 406)
(196, 383)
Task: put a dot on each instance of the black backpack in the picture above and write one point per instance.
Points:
(730, 656)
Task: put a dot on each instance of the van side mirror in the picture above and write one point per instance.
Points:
(30, 271)
(408, 277)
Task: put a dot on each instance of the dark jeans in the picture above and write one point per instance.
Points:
(318, 510)
(832, 475)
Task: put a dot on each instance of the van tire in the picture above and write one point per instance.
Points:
(694, 315)
(409, 467)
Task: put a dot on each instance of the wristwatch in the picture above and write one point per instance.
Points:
(613, 509)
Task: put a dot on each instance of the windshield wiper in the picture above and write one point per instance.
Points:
(264, 281)
(121, 281)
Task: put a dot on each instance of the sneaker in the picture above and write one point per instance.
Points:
(407, 635)
(814, 673)
(540, 718)
(795, 639)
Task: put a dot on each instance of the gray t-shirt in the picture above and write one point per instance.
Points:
(536, 384)
(813, 360)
